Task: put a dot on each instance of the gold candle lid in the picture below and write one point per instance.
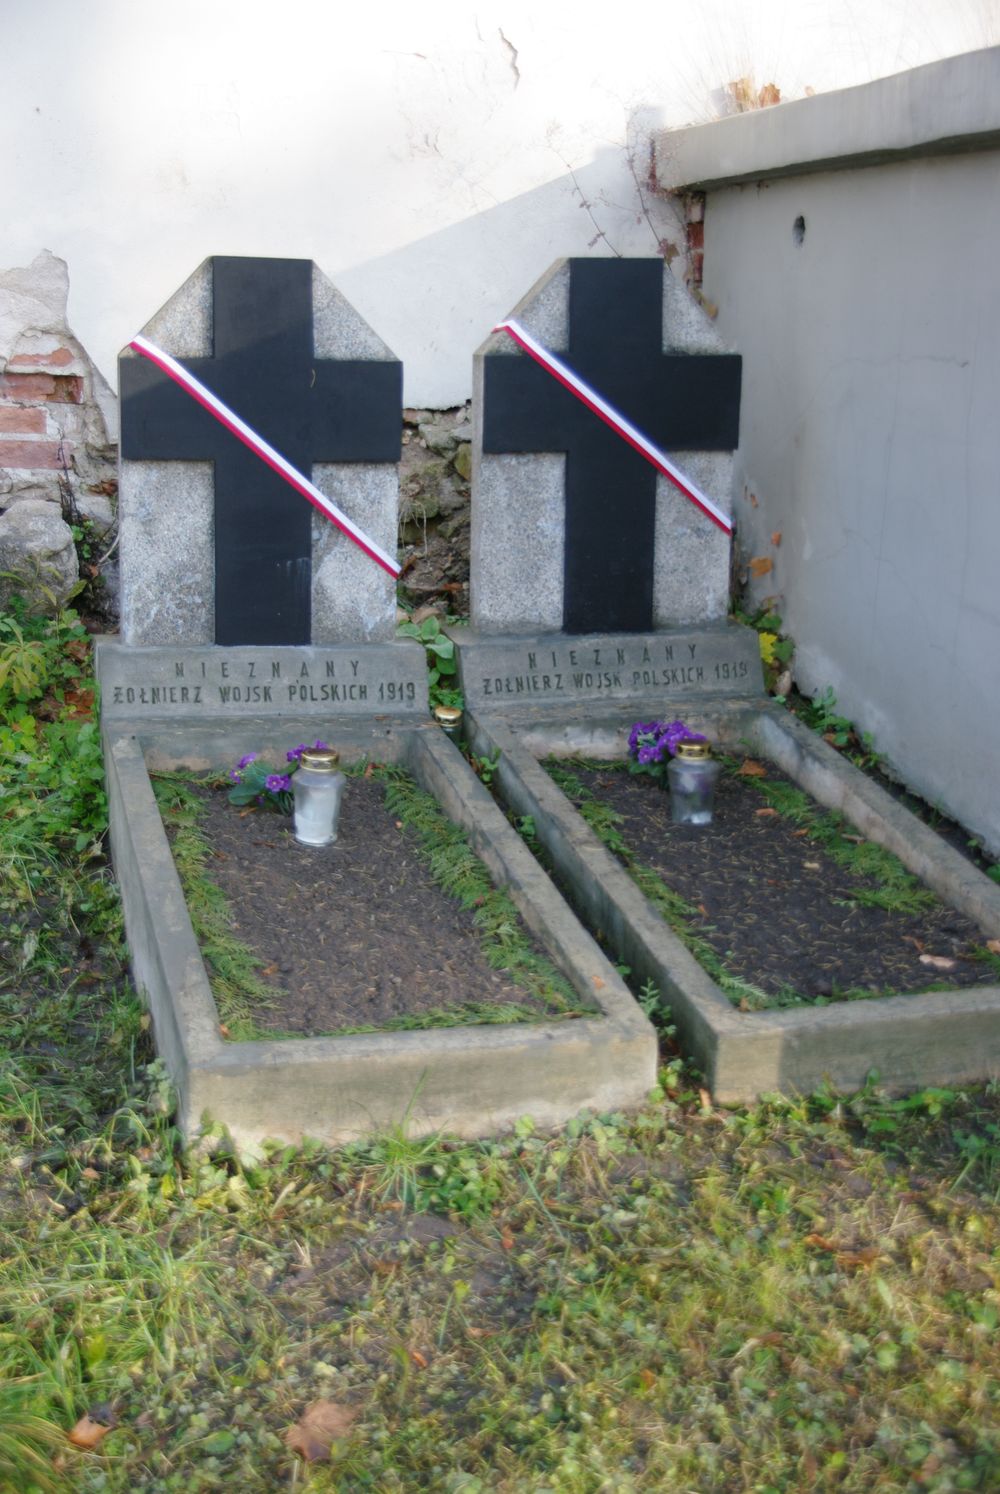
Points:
(447, 715)
(324, 761)
(693, 752)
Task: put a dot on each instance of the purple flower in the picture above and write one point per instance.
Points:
(245, 762)
(651, 742)
(277, 783)
(295, 756)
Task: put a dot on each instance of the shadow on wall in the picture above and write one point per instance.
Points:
(435, 300)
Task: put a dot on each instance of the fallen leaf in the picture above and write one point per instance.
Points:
(760, 565)
(750, 768)
(223, 1030)
(270, 970)
(90, 1173)
(937, 962)
(88, 1433)
(419, 1359)
(753, 500)
(811, 865)
(598, 982)
(507, 1240)
(744, 1004)
(993, 945)
(648, 1379)
(800, 832)
(319, 1426)
(369, 770)
(776, 538)
(763, 814)
(705, 1098)
(78, 649)
(79, 702)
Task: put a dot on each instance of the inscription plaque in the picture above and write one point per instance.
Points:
(553, 668)
(343, 679)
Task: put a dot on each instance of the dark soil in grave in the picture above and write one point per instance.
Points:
(356, 934)
(770, 901)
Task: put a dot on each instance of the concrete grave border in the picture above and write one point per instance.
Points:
(470, 1081)
(946, 1037)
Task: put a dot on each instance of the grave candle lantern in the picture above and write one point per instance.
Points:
(449, 718)
(317, 788)
(692, 775)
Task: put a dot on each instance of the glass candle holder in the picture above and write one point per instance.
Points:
(692, 776)
(317, 788)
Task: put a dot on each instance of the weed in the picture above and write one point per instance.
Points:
(442, 667)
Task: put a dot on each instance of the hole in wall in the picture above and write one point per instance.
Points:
(799, 229)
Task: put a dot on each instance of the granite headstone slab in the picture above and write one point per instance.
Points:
(216, 547)
(572, 529)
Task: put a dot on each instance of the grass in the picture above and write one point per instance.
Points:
(799, 1296)
(242, 993)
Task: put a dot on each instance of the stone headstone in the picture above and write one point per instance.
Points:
(216, 547)
(572, 529)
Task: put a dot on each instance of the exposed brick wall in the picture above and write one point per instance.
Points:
(693, 204)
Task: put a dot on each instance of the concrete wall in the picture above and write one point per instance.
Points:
(433, 159)
(870, 440)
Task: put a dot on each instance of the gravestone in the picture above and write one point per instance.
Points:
(596, 577)
(572, 528)
(217, 547)
(251, 623)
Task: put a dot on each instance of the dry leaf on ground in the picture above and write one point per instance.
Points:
(750, 768)
(993, 945)
(760, 565)
(765, 814)
(319, 1426)
(937, 962)
(88, 1432)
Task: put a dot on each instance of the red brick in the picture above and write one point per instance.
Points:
(22, 420)
(697, 261)
(30, 455)
(58, 358)
(696, 235)
(58, 389)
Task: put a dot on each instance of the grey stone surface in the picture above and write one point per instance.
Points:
(553, 671)
(353, 599)
(518, 502)
(471, 1081)
(167, 552)
(167, 508)
(37, 556)
(944, 1037)
(202, 684)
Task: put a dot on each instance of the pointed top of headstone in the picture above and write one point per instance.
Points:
(217, 546)
(573, 528)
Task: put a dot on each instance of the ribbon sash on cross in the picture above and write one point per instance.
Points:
(261, 448)
(615, 419)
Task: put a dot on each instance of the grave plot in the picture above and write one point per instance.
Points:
(260, 430)
(599, 593)
(469, 1079)
(944, 1036)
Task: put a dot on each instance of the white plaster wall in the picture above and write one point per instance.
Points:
(433, 159)
(870, 439)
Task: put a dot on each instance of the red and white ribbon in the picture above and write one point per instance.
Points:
(267, 453)
(616, 420)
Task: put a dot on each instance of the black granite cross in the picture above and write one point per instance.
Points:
(310, 410)
(681, 401)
